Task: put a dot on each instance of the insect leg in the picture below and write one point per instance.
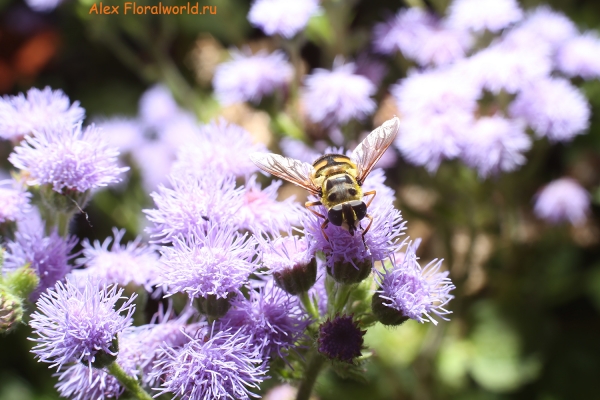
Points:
(310, 204)
(367, 229)
(370, 192)
(323, 226)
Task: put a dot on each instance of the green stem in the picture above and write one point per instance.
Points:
(130, 383)
(309, 305)
(63, 220)
(341, 297)
(310, 376)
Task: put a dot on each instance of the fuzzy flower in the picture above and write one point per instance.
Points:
(422, 37)
(125, 134)
(68, 159)
(475, 15)
(282, 17)
(25, 114)
(48, 255)
(78, 382)
(219, 145)
(371, 67)
(215, 261)
(271, 317)
(14, 201)
(580, 56)
(553, 108)
(250, 77)
(549, 26)
(122, 264)
(157, 106)
(297, 149)
(495, 144)
(222, 366)
(75, 325)
(338, 96)
(562, 200)
(412, 291)
(192, 203)
(341, 339)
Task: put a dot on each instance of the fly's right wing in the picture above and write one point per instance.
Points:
(295, 171)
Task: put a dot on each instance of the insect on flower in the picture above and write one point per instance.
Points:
(335, 178)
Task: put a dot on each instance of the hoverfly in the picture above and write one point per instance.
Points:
(335, 178)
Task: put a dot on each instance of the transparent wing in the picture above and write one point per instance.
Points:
(291, 170)
(370, 150)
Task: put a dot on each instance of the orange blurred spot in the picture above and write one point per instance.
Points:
(35, 53)
(7, 78)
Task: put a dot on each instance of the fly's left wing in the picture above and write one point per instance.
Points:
(291, 170)
(370, 150)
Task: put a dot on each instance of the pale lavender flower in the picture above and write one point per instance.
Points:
(370, 67)
(553, 108)
(74, 324)
(123, 264)
(282, 392)
(338, 96)
(477, 16)
(260, 210)
(215, 261)
(157, 106)
(297, 149)
(155, 161)
(285, 252)
(415, 292)
(78, 382)
(43, 5)
(14, 201)
(495, 144)
(68, 159)
(220, 145)
(250, 77)
(191, 203)
(562, 200)
(271, 317)
(549, 26)
(25, 114)
(282, 17)
(48, 255)
(422, 37)
(580, 56)
(222, 366)
(125, 134)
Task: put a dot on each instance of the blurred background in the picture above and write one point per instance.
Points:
(526, 313)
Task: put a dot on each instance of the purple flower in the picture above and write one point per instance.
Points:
(220, 145)
(271, 317)
(580, 56)
(495, 144)
(370, 67)
(14, 201)
(284, 252)
(477, 16)
(549, 26)
(25, 114)
(338, 96)
(157, 106)
(125, 134)
(299, 150)
(78, 382)
(215, 261)
(48, 255)
(420, 36)
(122, 264)
(562, 200)
(74, 325)
(69, 159)
(223, 366)
(415, 292)
(250, 77)
(192, 203)
(282, 17)
(155, 161)
(553, 108)
(341, 339)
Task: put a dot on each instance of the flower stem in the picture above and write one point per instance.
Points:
(309, 305)
(310, 376)
(63, 220)
(130, 383)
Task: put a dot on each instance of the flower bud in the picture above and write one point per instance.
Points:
(298, 279)
(349, 273)
(384, 314)
(341, 339)
(214, 307)
(11, 311)
(105, 358)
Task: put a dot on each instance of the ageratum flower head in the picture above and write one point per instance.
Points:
(122, 264)
(67, 159)
(553, 108)
(341, 338)
(48, 255)
(43, 5)
(282, 17)
(478, 16)
(215, 261)
(74, 324)
(193, 202)
(22, 115)
(78, 382)
(250, 77)
(338, 96)
(579, 56)
(410, 291)
(271, 317)
(219, 145)
(14, 201)
(157, 107)
(549, 26)
(562, 200)
(224, 365)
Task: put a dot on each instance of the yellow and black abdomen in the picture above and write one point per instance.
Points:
(335, 174)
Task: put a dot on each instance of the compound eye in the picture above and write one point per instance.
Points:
(335, 215)
(360, 209)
